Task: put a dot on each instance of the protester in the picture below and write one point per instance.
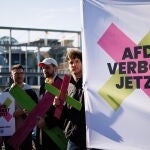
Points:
(49, 67)
(75, 129)
(18, 76)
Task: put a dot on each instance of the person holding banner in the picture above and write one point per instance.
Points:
(75, 127)
(49, 67)
(18, 76)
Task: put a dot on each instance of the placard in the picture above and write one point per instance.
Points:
(7, 108)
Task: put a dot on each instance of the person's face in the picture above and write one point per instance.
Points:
(75, 67)
(49, 71)
(18, 76)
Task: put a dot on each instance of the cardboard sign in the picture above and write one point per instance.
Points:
(7, 108)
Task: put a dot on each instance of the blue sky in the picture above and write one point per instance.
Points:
(47, 14)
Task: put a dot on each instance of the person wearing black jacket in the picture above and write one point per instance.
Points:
(74, 120)
(18, 76)
(49, 67)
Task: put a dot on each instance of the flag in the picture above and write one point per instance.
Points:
(116, 73)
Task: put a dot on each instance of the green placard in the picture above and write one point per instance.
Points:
(71, 101)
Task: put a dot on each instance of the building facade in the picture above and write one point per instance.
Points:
(29, 54)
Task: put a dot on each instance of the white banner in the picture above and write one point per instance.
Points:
(7, 121)
(116, 73)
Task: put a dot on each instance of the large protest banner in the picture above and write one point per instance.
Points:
(7, 108)
(116, 73)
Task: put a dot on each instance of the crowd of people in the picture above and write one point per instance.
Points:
(72, 121)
